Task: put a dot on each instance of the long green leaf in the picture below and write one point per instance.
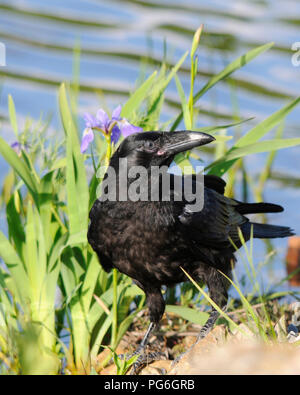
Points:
(262, 146)
(223, 164)
(77, 186)
(192, 315)
(12, 115)
(226, 72)
(31, 256)
(89, 283)
(266, 125)
(15, 267)
(138, 97)
(184, 104)
(19, 166)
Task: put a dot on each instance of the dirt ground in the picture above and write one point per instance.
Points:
(240, 351)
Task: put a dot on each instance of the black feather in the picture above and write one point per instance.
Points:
(256, 208)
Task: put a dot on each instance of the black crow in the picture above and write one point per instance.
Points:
(150, 240)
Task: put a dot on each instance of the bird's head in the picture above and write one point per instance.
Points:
(158, 148)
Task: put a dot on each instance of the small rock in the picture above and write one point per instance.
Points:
(241, 358)
(293, 337)
(243, 333)
(157, 368)
(188, 341)
(186, 363)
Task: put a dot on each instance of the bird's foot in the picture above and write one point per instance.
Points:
(180, 356)
(204, 331)
(142, 360)
(145, 359)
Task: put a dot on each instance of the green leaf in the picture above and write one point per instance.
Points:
(157, 94)
(77, 186)
(20, 167)
(138, 97)
(192, 315)
(15, 226)
(196, 40)
(124, 325)
(248, 144)
(262, 146)
(214, 129)
(232, 67)
(268, 124)
(213, 304)
(59, 163)
(46, 200)
(31, 255)
(15, 267)
(184, 105)
(89, 283)
(174, 70)
(226, 72)
(12, 115)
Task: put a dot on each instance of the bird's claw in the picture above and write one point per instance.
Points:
(145, 359)
(142, 360)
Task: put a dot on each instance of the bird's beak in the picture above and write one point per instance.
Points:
(176, 142)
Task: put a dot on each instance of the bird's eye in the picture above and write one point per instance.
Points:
(149, 144)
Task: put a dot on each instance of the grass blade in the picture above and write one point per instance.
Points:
(138, 97)
(12, 115)
(192, 315)
(227, 71)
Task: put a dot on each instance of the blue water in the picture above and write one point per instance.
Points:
(138, 29)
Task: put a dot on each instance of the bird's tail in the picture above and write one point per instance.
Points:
(255, 208)
(265, 231)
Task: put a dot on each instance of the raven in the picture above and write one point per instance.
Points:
(150, 240)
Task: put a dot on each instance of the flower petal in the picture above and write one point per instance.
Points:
(115, 134)
(103, 119)
(90, 121)
(88, 137)
(127, 128)
(116, 113)
(17, 147)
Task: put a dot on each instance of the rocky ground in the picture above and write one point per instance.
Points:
(222, 351)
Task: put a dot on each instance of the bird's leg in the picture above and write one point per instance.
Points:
(204, 331)
(140, 352)
(217, 285)
(218, 293)
(142, 346)
(143, 357)
(156, 306)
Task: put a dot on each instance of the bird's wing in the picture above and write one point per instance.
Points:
(215, 224)
(214, 182)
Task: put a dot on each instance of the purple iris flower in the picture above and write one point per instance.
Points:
(18, 147)
(103, 122)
